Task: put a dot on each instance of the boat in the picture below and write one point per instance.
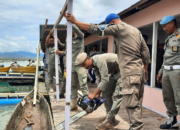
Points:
(28, 69)
(4, 69)
(39, 115)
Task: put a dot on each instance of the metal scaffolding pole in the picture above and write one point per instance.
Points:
(68, 67)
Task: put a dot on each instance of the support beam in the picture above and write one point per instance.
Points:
(68, 67)
(56, 65)
(45, 28)
(154, 52)
(110, 44)
(61, 15)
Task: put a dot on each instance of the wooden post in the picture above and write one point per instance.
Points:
(68, 67)
(56, 65)
(36, 76)
(154, 52)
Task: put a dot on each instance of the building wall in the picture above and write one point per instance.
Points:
(154, 13)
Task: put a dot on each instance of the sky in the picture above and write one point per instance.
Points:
(20, 19)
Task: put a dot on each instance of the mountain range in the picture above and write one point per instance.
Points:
(19, 54)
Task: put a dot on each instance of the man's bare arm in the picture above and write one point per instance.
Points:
(48, 37)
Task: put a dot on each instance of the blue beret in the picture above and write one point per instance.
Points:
(167, 19)
(111, 17)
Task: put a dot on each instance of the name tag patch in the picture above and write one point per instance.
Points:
(175, 49)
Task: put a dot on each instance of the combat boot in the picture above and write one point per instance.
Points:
(170, 124)
(73, 105)
(51, 90)
(101, 119)
(107, 124)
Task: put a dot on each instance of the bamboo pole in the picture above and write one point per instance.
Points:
(68, 67)
(36, 76)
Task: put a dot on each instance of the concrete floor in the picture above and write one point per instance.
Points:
(151, 119)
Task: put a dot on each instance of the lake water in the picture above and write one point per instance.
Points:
(6, 110)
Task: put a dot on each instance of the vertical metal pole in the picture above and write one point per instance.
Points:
(68, 67)
(56, 65)
(154, 52)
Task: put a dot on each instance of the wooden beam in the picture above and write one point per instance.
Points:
(61, 15)
(57, 29)
(45, 28)
(146, 4)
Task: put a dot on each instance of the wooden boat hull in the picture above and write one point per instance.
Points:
(4, 69)
(27, 69)
(39, 114)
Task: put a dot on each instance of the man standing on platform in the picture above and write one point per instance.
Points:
(169, 73)
(133, 59)
(51, 61)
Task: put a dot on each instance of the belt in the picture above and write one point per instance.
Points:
(172, 67)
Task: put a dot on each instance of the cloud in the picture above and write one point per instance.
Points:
(13, 38)
(20, 19)
(12, 43)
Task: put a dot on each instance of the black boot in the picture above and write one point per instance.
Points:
(60, 96)
(170, 124)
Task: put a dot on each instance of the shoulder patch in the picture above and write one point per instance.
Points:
(103, 27)
(176, 33)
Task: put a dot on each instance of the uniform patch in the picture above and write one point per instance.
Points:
(177, 33)
(174, 48)
(177, 36)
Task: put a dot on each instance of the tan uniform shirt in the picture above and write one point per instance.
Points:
(51, 53)
(172, 50)
(104, 65)
(131, 48)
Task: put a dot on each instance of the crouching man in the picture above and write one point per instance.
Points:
(105, 65)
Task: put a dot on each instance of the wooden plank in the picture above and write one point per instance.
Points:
(61, 15)
(13, 94)
(45, 28)
(14, 77)
(146, 4)
(28, 73)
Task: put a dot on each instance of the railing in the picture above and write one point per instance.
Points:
(37, 74)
